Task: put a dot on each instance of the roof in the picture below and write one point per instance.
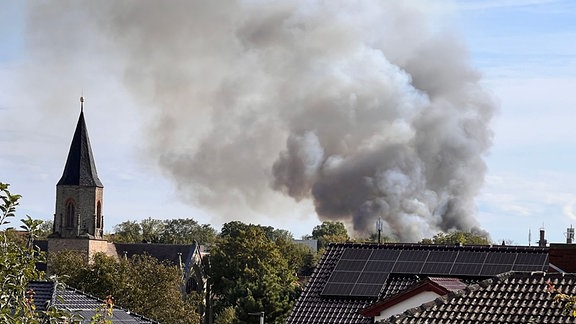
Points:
(80, 169)
(78, 303)
(172, 253)
(351, 276)
(440, 286)
(513, 297)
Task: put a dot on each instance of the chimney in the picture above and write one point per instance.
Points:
(542, 242)
(569, 235)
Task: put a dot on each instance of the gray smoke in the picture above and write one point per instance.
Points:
(370, 108)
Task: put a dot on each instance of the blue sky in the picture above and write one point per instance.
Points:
(525, 51)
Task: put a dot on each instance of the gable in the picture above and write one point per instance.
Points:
(425, 291)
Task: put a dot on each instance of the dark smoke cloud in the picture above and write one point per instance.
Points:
(370, 108)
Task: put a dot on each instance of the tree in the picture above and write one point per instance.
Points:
(128, 232)
(330, 232)
(171, 231)
(17, 267)
(186, 231)
(45, 229)
(142, 284)
(152, 230)
(18, 260)
(250, 274)
(458, 237)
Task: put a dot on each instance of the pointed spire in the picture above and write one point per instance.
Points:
(80, 169)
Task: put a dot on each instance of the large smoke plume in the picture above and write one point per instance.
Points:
(369, 108)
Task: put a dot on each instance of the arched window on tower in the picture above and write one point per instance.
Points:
(99, 220)
(70, 213)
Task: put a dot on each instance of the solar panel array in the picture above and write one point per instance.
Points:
(363, 272)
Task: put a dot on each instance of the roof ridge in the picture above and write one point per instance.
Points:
(515, 248)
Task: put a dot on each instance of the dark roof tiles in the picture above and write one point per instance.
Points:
(313, 307)
(80, 169)
(515, 297)
(78, 303)
(172, 253)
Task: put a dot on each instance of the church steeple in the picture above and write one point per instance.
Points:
(79, 192)
(80, 169)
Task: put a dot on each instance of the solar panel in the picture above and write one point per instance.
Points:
(470, 257)
(390, 255)
(413, 255)
(528, 267)
(382, 266)
(373, 278)
(441, 256)
(350, 265)
(437, 268)
(337, 289)
(366, 290)
(356, 275)
(363, 272)
(466, 269)
(528, 258)
(494, 269)
(408, 267)
(356, 254)
(344, 276)
(501, 258)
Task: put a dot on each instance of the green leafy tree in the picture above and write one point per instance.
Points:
(171, 231)
(17, 267)
(250, 274)
(45, 229)
(18, 258)
(186, 231)
(330, 232)
(152, 230)
(128, 232)
(142, 284)
(458, 237)
(226, 316)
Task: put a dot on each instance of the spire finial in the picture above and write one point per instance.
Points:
(82, 104)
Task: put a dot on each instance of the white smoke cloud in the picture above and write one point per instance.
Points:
(369, 108)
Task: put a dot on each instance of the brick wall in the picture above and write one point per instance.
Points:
(87, 246)
(86, 200)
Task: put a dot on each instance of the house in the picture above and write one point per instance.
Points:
(48, 294)
(512, 297)
(420, 293)
(351, 277)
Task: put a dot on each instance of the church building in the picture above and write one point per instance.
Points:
(79, 219)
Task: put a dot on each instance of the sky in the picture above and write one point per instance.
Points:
(50, 56)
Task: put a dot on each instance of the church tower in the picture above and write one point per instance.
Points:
(79, 192)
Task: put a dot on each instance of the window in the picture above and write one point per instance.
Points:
(99, 219)
(70, 212)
